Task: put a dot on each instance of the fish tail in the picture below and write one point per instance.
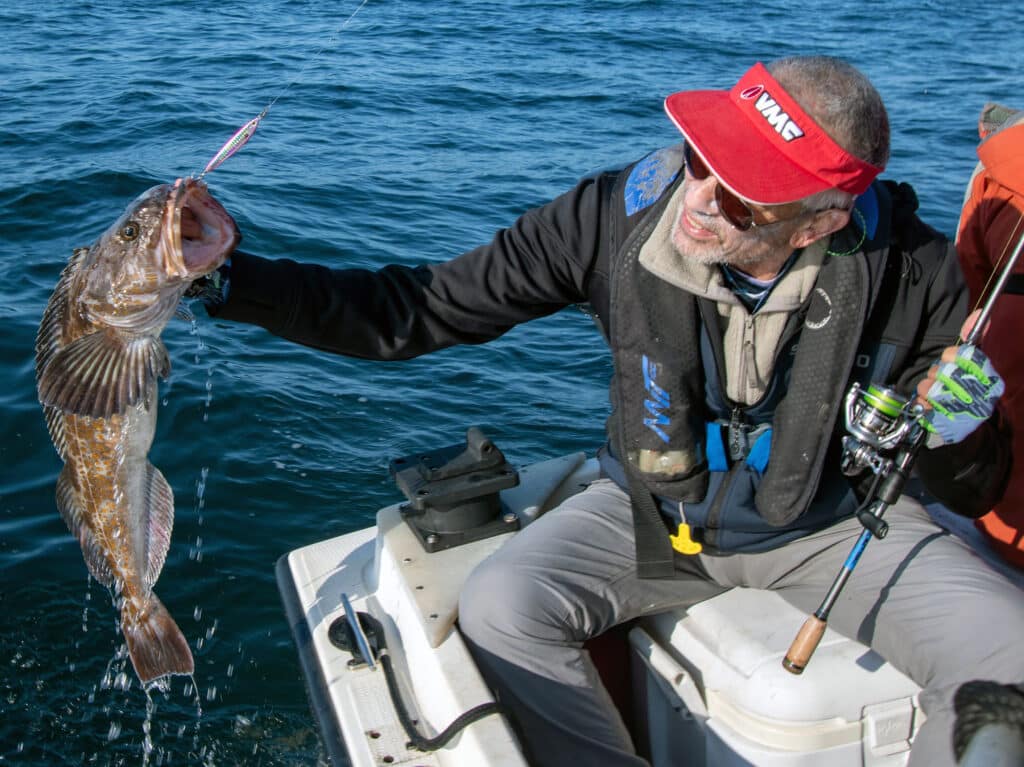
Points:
(155, 643)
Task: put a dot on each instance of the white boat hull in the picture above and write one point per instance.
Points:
(707, 682)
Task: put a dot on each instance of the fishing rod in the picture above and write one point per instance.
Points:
(241, 137)
(885, 437)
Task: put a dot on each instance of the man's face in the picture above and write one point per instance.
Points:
(702, 234)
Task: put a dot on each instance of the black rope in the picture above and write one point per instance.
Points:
(416, 740)
(981, 703)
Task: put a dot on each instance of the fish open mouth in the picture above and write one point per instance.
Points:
(198, 233)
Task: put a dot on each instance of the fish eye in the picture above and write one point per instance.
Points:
(130, 231)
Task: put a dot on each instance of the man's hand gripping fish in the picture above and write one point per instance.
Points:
(98, 357)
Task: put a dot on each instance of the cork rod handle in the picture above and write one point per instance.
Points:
(804, 645)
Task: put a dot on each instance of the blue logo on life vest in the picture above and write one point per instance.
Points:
(650, 178)
(657, 403)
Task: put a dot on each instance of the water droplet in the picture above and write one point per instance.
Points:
(204, 473)
(197, 613)
(147, 726)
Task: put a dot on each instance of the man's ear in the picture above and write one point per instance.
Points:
(824, 223)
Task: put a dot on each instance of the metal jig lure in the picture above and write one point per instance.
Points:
(233, 144)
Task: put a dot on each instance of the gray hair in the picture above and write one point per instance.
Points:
(845, 104)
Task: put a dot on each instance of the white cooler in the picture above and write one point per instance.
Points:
(710, 690)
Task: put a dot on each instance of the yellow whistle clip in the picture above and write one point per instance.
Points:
(683, 543)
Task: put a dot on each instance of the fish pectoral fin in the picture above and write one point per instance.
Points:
(159, 501)
(72, 511)
(103, 373)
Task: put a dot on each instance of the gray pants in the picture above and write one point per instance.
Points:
(920, 598)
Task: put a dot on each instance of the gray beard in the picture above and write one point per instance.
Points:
(710, 257)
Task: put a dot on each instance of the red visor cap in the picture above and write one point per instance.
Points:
(761, 145)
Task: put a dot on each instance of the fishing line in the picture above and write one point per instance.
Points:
(241, 137)
(996, 274)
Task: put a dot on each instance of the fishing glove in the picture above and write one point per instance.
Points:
(962, 398)
(213, 288)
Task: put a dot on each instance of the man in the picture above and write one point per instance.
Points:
(743, 280)
(991, 225)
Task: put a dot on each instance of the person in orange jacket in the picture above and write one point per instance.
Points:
(991, 226)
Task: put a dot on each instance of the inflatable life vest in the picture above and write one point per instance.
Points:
(991, 225)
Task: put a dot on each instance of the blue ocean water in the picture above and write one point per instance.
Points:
(407, 133)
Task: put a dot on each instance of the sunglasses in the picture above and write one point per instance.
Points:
(733, 208)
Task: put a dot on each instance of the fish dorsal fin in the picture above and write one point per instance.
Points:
(103, 373)
(159, 516)
(55, 425)
(50, 340)
(50, 336)
(71, 511)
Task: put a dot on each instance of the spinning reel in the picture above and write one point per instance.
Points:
(884, 435)
(880, 421)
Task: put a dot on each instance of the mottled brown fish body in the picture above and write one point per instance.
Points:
(98, 358)
(114, 498)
